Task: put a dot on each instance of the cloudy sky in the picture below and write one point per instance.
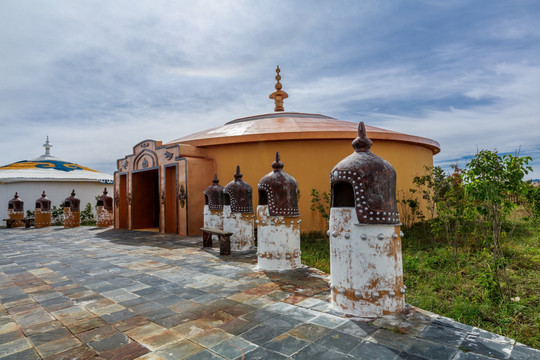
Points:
(100, 76)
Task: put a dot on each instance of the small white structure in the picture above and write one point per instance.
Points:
(278, 230)
(238, 214)
(29, 178)
(213, 206)
(366, 273)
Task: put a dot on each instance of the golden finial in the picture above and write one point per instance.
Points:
(278, 95)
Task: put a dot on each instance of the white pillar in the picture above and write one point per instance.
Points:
(278, 241)
(241, 225)
(366, 272)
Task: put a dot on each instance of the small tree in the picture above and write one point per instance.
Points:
(489, 180)
(87, 216)
(57, 214)
(433, 186)
(320, 202)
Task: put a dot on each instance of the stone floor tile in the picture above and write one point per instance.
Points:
(282, 323)
(471, 356)
(15, 346)
(150, 356)
(58, 346)
(315, 351)
(211, 337)
(141, 332)
(48, 326)
(82, 352)
(285, 344)
(263, 354)
(96, 334)
(522, 352)
(339, 341)
(130, 323)
(205, 355)
(445, 334)
(232, 348)
(108, 309)
(486, 347)
(259, 316)
(161, 340)
(260, 334)
(158, 313)
(179, 351)
(8, 327)
(357, 329)
(11, 336)
(368, 350)
(48, 336)
(109, 343)
(118, 316)
(431, 350)
(128, 351)
(237, 326)
(329, 321)
(28, 354)
(240, 309)
(85, 325)
(170, 300)
(391, 340)
(192, 328)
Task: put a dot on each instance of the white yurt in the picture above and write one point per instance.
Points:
(29, 178)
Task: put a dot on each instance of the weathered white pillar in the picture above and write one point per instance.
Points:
(104, 210)
(213, 208)
(366, 272)
(16, 211)
(238, 214)
(278, 223)
(42, 212)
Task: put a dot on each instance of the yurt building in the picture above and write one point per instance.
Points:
(160, 186)
(29, 178)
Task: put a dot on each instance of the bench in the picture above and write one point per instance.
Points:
(27, 222)
(223, 236)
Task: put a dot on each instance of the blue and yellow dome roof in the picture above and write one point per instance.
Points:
(48, 167)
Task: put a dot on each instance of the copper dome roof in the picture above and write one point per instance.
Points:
(293, 126)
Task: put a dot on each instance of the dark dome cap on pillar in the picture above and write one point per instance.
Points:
(366, 182)
(43, 202)
(279, 191)
(240, 194)
(16, 204)
(73, 202)
(214, 195)
(105, 200)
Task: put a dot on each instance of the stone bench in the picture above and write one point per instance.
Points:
(223, 236)
(27, 222)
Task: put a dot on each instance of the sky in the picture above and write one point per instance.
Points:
(98, 77)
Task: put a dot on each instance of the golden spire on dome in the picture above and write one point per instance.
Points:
(278, 95)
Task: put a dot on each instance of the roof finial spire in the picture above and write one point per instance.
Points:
(278, 95)
(47, 147)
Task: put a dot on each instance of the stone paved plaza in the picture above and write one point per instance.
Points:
(88, 293)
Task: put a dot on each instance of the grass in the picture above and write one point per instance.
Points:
(460, 284)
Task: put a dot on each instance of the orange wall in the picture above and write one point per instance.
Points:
(310, 163)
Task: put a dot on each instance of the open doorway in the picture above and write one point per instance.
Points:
(145, 206)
